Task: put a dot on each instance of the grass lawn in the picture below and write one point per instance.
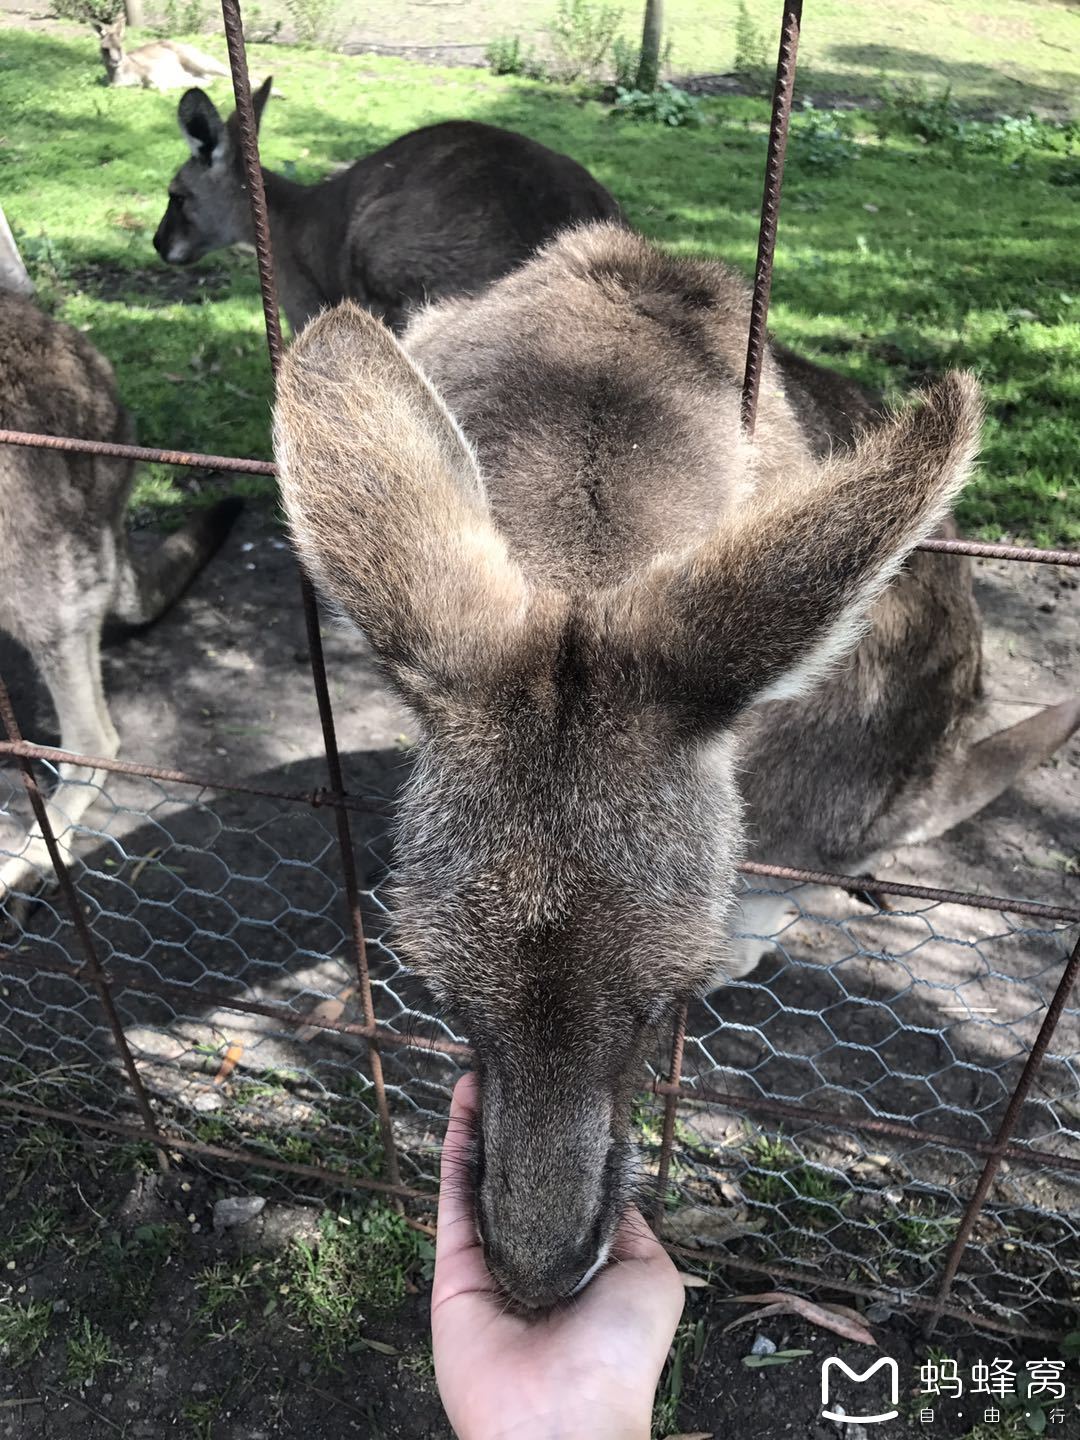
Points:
(897, 257)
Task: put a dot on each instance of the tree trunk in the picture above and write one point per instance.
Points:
(133, 12)
(649, 65)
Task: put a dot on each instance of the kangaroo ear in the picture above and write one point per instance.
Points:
(761, 609)
(202, 127)
(259, 99)
(388, 510)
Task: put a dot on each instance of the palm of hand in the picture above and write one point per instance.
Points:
(587, 1370)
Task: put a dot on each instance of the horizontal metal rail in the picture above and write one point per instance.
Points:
(319, 798)
(899, 1300)
(126, 978)
(813, 1115)
(216, 1152)
(235, 463)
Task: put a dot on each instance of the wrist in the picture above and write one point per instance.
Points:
(615, 1423)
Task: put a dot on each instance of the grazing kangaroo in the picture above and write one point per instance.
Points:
(599, 596)
(441, 211)
(160, 65)
(64, 561)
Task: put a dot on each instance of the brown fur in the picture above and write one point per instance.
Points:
(64, 558)
(583, 601)
(441, 211)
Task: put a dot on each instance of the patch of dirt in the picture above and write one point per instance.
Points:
(129, 1251)
(153, 284)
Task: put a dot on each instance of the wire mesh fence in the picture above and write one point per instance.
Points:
(887, 1105)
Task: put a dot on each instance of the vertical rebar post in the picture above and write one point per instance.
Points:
(249, 146)
(770, 209)
(671, 1102)
(1005, 1134)
(92, 964)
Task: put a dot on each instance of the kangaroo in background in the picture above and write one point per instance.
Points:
(440, 211)
(159, 65)
(599, 597)
(64, 562)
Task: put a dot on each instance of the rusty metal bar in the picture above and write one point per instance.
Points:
(1001, 552)
(216, 1152)
(316, 798)
(67, 887)
(240, 465)
(770, 209)
(1066, 914)
(249, 145)
(667, 1140)
(1004, 1134)
(136, 982)
(836, 1120)
(137, 452)
(900, 1300)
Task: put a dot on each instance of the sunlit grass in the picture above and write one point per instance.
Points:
(898, 263)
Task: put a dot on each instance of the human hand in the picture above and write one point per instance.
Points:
(587, 1370)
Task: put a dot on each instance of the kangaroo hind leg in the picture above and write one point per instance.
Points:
(72, 671)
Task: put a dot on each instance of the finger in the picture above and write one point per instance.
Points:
(457, 1225)
(634, 1240)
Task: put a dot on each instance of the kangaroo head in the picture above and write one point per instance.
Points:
(566, 848)
(208, 205)
(111, 37)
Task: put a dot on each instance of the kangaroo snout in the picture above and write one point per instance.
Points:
(548, 1204)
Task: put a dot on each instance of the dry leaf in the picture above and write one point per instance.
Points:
(705, 1225)
(834, 1318)
(692, 1435)
(229, 1063)
(693, 1282)
(379, 1346)
(326, 1010)
(141, 866)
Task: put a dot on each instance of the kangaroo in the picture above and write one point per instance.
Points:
(64, 562)
(160, 65)
(440, 211)
(599, 598)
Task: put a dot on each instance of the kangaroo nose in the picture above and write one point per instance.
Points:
(535, 1284)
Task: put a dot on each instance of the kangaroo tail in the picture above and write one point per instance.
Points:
(151, 586)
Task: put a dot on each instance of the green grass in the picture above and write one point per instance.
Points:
(23, 1330)
(965, 256)
(779, 1177)
(357, 1267)
(988, 52)
(89, 1350)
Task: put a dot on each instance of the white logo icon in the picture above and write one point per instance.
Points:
(838, 1415)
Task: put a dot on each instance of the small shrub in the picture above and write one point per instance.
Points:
(751, 53)
(624, 59)
(822, 138)
(666, 106)
(506, 55)
(912, 108)
(315, 21)
(88, 12)
(257, 29)
(582, 33)
(182, 17)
